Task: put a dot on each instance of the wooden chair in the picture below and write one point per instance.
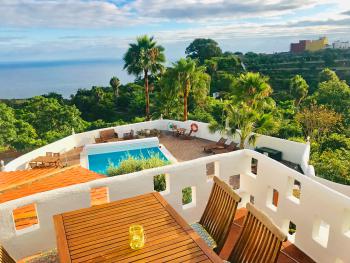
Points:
(260, 239)
(49, 154)
(5, 257)
(56, 155)
(219, 213)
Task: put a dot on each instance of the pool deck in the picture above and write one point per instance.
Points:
(182, 150)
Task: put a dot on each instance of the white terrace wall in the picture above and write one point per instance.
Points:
(316, 205)
(292, 151)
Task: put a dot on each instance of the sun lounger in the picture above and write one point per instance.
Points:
(229, 148)
(219, 145)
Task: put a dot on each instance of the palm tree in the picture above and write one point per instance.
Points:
(190, 78)
(253, 89)
(298, 89)
(144, 57)
(115, 84)
(246, 122)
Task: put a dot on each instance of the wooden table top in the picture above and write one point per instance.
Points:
(101, 233)
(45, 159)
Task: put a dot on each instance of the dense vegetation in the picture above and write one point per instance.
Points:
(285, 95)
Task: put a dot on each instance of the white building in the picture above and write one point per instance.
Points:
(341, 44)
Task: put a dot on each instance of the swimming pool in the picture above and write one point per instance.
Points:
(100, 162)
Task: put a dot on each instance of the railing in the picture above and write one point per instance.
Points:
(292, 151)
(321, 215)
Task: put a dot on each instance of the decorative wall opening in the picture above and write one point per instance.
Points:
(188, 196)
(320, 232)
(25, 217)
(294, 190)
(252, 199)
(99, 196)
(235, 181)
(161, 183)
(254, 166)
(292, 228)
(272, 198)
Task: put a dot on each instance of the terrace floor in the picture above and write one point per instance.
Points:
(184, 150)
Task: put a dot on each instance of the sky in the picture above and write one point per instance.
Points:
(43, 30)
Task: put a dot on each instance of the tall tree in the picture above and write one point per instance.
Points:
(115, 84)
(203, 49)
(144, 57)
(335, 94)
(298, 89)
(318, 121)
(190, 78)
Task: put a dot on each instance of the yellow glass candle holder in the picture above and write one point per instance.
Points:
(137, 237)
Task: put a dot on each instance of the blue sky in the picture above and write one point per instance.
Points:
(88, 29)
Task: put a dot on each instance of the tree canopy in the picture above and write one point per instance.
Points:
(203, 49)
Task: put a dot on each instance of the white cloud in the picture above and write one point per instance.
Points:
(223, 20)
(121, 13)
(62, 13)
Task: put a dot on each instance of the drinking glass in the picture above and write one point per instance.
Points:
(137, 237)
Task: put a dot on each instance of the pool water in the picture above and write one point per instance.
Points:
(100, 162)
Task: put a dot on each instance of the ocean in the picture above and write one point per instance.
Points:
(27, 79)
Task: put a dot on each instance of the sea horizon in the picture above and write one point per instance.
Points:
(25, 79)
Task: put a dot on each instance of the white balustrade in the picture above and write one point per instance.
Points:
(321, 215)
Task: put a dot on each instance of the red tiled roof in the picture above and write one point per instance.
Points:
(11, 179)
(14, 185)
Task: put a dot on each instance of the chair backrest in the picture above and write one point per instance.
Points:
(107, 134)
(5, 257)
(222, 141)
(219, 213)
(49, 154)
(260, 239)
(56, 154)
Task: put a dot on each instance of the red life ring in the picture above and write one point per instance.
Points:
(194, 127)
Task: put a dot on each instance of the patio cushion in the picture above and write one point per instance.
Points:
(204, 235)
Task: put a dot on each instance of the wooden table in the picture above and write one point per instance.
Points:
(101, 233)
(50, 160)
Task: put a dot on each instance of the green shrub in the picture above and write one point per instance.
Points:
(132, 164)
(186, 195)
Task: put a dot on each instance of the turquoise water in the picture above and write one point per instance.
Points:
(99, 162)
